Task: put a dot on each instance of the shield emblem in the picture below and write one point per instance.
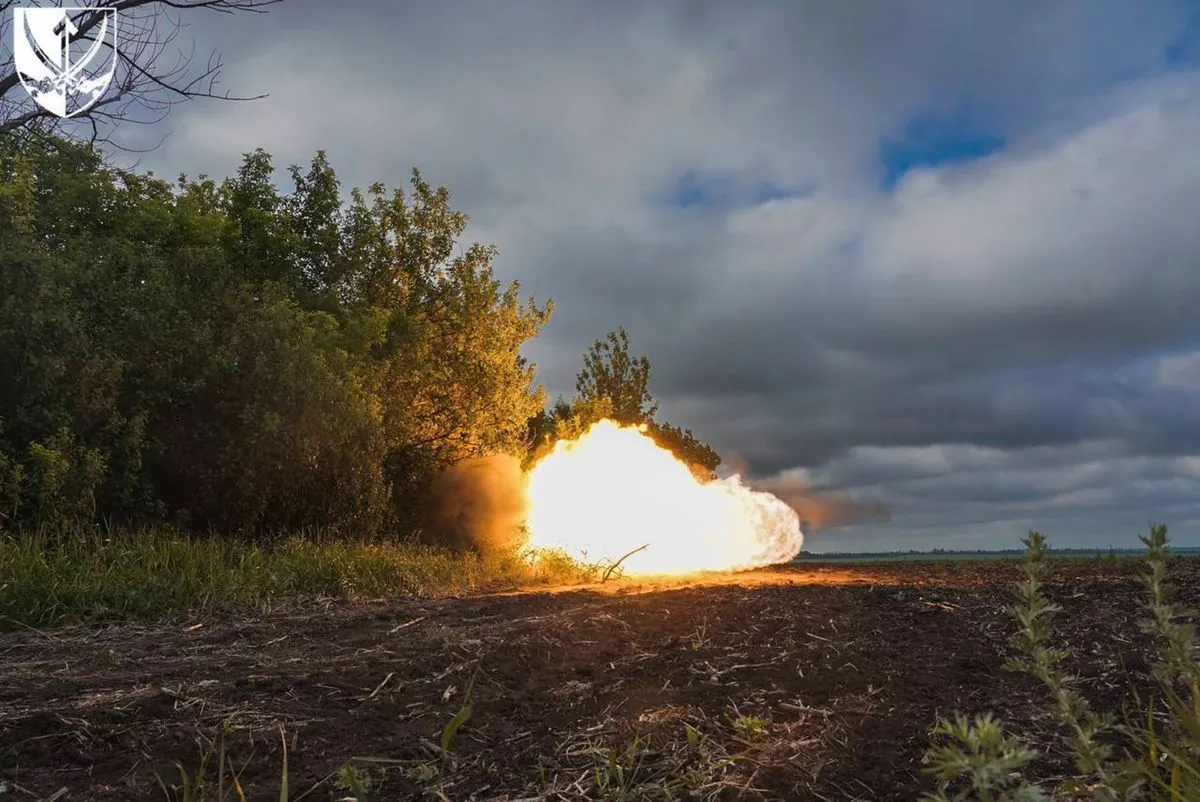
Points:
(65, 57)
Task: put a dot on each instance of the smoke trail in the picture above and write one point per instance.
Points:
(816, 510)
(824, 509)
(480, 503)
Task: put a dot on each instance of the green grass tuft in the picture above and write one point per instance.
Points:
(53, 577)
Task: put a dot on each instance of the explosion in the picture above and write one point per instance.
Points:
(614, 491)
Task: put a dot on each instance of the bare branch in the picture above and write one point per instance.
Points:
(146, 87)
(608, 573)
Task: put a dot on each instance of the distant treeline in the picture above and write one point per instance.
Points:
(221, 355)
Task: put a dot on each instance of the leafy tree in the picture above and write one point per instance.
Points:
(699, 456)
(226, 355)
(615, 385)
(609, 371)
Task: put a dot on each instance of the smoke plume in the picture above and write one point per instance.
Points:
(480, 504)
(816, 510)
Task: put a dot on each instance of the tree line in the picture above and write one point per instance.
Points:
(226, 356)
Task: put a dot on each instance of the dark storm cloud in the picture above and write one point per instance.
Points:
(895, 416)
(985, 344)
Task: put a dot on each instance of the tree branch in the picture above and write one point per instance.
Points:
(617, 564)
(146, 83)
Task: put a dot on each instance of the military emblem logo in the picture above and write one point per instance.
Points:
(65, 57)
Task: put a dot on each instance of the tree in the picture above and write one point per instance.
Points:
(144, 81)
(609, 371)
(230, 356)
(615, 385)
(698, 455)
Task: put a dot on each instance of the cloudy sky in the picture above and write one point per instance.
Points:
(943, 255)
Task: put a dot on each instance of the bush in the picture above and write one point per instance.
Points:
(230, 356)
(1160, 755)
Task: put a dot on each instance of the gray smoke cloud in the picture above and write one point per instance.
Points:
(816, 510)
(480, 504)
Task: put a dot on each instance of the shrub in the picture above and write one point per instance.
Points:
(1160, 754)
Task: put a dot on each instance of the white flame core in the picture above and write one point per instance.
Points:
(615, 490)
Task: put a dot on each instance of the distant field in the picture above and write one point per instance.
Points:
(978, 555)
(891, 558)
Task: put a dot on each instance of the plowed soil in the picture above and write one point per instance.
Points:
(807, 682)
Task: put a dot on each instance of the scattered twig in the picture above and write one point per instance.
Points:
(406, 625)
(615, 565)
(379, 687)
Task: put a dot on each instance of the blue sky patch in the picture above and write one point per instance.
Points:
(931, 140)
(1184, 50)
(697, 189)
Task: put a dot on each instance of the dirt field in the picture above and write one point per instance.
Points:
(803, 683)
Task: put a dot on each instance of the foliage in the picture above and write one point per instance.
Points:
(224, 355)
(683, 444)
(614, 385)
(610, 372)
(1161, 739)
(981, 753)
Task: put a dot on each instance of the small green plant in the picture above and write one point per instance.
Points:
(1160, 758)
(750, 728)
(653, 769)
(356, 781)
(428, 775)
(198, 785)
(699, 638)
(461, 717)
(695, 738)
(621, 775)
(984, 758)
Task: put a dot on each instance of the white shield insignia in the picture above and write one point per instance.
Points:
(65, 69)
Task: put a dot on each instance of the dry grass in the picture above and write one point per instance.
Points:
(50, 578)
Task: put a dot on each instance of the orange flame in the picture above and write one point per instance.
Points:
(615, 490)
